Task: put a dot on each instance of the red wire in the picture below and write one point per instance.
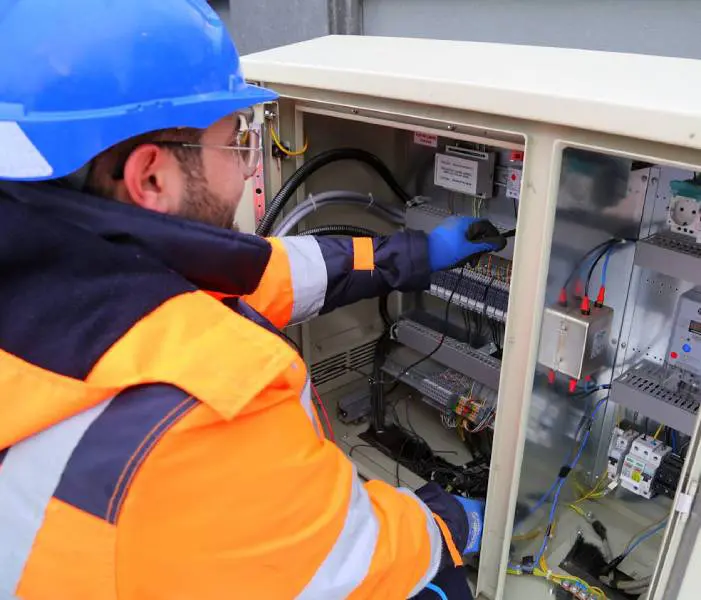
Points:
(324, 413)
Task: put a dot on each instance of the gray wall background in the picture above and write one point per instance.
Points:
(665, 27)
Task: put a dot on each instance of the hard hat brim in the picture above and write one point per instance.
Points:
(88, 133)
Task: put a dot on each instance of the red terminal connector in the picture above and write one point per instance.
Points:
(578, 288)
(600, 297)
(573, 386)
(585, 307)
(551, 377)
(562, 299)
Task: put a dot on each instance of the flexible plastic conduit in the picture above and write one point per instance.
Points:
(347, 230)
(313, 165)
(317, 201)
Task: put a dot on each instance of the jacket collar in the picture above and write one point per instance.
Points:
(212, 258)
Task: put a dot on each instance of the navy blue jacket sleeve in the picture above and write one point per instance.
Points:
(400, 262)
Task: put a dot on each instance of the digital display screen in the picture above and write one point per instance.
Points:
(695, 327)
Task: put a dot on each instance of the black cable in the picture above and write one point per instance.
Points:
(384, 311)
(350, 452)
(314, 164)
(377, 390)
(583, 259)
(444, 335)
(484, 307)
(468, 325)
(340, 230)
(596, 262)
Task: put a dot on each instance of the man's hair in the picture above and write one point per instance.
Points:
(107, 168)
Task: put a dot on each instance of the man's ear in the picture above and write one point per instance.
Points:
(149, 178)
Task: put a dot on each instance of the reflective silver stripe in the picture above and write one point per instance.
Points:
(436, 539)
(309, 406)
(28, 478)
(309, 278)
(348, 563)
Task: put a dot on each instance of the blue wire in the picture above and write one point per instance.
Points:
(561, 483)
(674, 441)
(604, 269)
(544, 498)
(641, 539)
(438, 591)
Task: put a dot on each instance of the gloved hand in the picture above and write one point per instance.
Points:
(457, 239)
(474, 509)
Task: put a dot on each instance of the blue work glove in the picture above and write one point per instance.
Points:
(461, 239)
(474, 509)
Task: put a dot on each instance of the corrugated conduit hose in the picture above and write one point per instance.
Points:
(337, 197)
(314, 164)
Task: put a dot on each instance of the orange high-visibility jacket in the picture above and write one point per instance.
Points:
(158, 443)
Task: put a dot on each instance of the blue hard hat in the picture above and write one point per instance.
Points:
(78, 76)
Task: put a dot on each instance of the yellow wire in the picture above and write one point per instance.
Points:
(529, 535)
(578, 510)
(278, 143)
(659, 430)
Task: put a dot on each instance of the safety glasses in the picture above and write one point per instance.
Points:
(246, 145)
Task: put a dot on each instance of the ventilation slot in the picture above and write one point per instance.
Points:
(339, 364)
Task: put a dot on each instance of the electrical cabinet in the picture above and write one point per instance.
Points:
(557, 378)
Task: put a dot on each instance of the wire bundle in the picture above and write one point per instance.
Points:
(556, 489)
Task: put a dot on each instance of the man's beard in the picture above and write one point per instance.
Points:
(201, 204)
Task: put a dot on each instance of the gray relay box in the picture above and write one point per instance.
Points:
(685, 340)
(572, 343)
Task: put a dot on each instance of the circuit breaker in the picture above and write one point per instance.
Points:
(621, 442)
(641, 463)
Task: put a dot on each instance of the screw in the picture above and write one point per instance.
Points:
(654, 180)
(451, 127)
(354, 111)
(623, 345)
(614, 341)
(644, 178)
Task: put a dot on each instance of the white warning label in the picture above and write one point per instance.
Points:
(457, 174)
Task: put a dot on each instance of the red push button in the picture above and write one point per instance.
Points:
(674, 355)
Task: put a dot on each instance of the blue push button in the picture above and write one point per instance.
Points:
(686, 348)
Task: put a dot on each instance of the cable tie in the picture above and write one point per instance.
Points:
(549, 575)
(372, 200)
(313, 201)
(564, 471)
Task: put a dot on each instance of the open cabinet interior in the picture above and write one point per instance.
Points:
(558, 378)
(412, 382)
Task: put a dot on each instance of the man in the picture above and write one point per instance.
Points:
(157, 435)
